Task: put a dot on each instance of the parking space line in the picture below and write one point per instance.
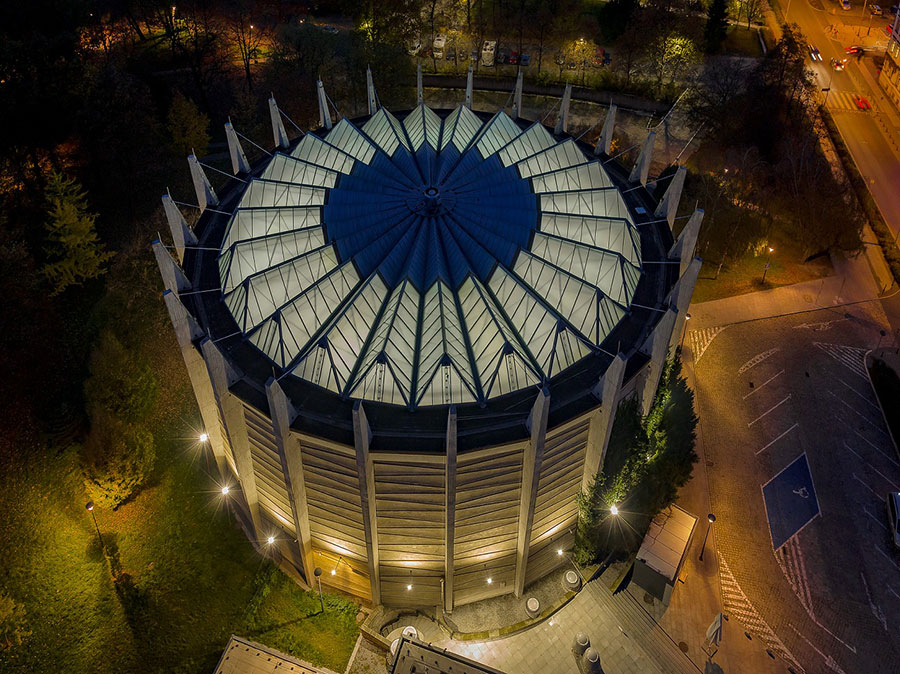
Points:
(856, 477)
(876, 448)
(769, 410)
(893, 591)
(885, 555)
(877, 521)
(763, 384)
(884, 477)
(868, 402)
(862, 416)
(777, 439)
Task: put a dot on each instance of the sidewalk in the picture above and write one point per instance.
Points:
(851, 283)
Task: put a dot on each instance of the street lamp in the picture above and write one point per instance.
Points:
(768, 257)
(90, 508)
(225, 490)
(687, 317)
(270, 540)
(613, 510)
(318, 575)
(709, 519)
(203, 437)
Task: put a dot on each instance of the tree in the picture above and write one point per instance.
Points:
(117, 458)
(716, 25)
(121, 384)
(13, 623)
(188, 126)
(247, 35)
(74, 250)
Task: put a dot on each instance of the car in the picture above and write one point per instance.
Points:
(413, 46)
(502, 56)
(895, 9)
(607, 59)
(893, 512)
(875, 10)
(473, 55)
(838, 64)
(329, 29)
(814, 53)
(513, 58)
(862, 102)
(845, 5)
(451, 53)
(525, 60)
(855, 49)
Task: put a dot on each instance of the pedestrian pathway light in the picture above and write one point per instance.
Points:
(559, 551)
(709, 519)
(203, 437)
(613, 510)
(490, 580)
(225, 490)
(766, 268)
(687, 317)
(89, 506)
(270, 540)
(318, 575)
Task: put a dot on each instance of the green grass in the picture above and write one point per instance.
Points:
(742, 42)
(196, 578)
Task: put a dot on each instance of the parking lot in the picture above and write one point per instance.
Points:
(800, 463)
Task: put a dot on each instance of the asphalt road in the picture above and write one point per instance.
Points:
(768, 392)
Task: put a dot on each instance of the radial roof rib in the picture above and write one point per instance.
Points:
(386, 132)
(267, 290)
(562, 155)
(422, 126)
(247, 257)
(370, 244)
(604, 201)
(444, 372)
(538, 325)
(284, 168)
(612, 234)
(288, 331)
(535, 139)
(600, 268)
(252, 223)
(384, 371)
(500, 361)
(590, 174)
(332, 356)
(498, 132)
(269, 194)
(584, 306)
(502, 242)
(347, 137)
(313, 149)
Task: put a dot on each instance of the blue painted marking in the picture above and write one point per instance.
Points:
(791, 501)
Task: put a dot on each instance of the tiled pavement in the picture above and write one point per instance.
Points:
(628, 640)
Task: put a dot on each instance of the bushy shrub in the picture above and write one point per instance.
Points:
(117, 457)
(120, 384)
(13, 623)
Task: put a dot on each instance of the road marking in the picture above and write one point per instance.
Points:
(824, 325)
(735, 602)
(829, 661)
(763, 384)
(856, 477)
(869, 402)
(893, 591)
(884, 477)
(702, 338)
(877, 448)
(776, 439)
(876, 610)
(769, 410)
(884, 554)
(848, 356)
(859, 414)
(877, 521)
(757, 359)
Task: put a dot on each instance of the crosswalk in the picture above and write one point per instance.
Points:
(850, 357)
(701, 339)
(843, 100)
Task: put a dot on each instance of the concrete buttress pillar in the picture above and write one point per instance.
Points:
(278, 131)
(642, 166)
(532, 457)
(683, 248)
(681, 298)
(206, 195)
(239, 163)
(517, 97)
(604, 143)
(469, 83)
(657, 346)
(182, 235)
(668, 205)
(324, 112)
(602, 421)
(362, 436)
(562, 122)
(420, 92)
(283, 413)
(171, 272)
(370, 92)
(450, 509)
(232, 409)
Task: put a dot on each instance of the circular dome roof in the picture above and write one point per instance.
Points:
(432, 261)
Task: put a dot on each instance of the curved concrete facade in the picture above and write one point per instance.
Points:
(441, 506)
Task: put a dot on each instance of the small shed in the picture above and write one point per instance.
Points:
(662, 552)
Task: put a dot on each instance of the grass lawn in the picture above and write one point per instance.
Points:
(196, 578)
(742, 42)
(745, 275)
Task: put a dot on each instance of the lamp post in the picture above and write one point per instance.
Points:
(89, 506)
(766, 268)
(687, 317)
(318, 575)
(710, 519)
